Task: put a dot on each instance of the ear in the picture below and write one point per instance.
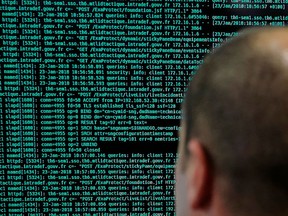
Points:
(200, 175)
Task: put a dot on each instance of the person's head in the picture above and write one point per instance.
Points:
(233, 149)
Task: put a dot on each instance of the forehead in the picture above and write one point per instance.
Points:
(273, 40)
(275, 44)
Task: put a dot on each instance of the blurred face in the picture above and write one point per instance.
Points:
(181, 192)
(193, 183)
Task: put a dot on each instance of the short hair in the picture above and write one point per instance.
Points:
(237, 106)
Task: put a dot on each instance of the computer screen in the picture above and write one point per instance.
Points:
(91, 95)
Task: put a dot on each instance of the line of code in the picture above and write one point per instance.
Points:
(90, 98)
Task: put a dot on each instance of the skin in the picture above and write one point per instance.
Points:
(197, 188)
